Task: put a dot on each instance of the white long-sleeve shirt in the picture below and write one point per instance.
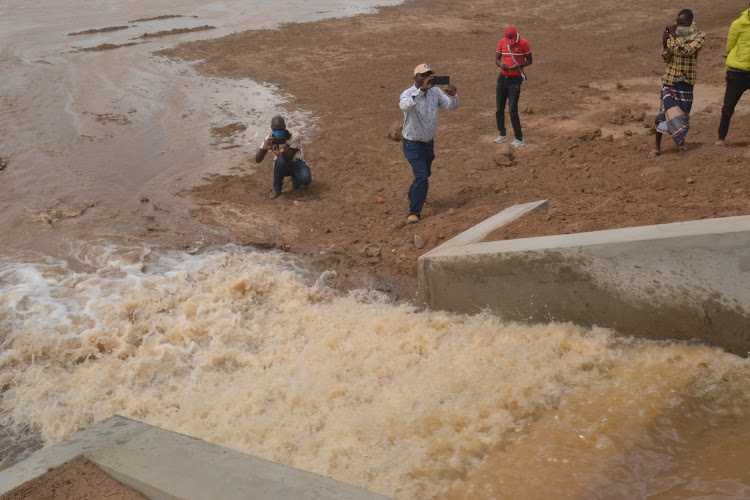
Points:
(421, 111)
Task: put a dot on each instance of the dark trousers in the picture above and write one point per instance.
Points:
(297, 170)
(420, 156)
(509, 89)
(737, 84)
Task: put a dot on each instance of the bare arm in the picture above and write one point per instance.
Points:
(499, 61)
(526, 62)
(261, 153)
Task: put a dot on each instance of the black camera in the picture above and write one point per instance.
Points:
(441, 80)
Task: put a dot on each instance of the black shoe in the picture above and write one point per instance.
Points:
(274, 194)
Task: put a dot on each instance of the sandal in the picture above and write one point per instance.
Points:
(720, 143)
(682, 149)
(654, 153)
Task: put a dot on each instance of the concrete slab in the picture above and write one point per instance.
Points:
(684, 281)
(165, 465)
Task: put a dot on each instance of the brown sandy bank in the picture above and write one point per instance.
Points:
(587, 113)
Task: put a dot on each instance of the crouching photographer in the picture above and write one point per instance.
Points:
(286, 147)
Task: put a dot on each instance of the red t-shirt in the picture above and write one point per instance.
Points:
(519, 50)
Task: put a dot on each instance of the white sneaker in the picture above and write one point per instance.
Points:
(518, 144)
(501, 138)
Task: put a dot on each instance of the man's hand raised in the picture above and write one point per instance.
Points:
(427, 83)
(451, 90)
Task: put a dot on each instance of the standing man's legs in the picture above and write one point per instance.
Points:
(736, 85)
(420, 157)
(514, 95)
(501, 93)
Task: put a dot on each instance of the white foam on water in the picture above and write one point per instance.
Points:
(233, 347)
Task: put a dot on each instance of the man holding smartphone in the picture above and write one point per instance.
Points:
(286, 146)
(513, 54)
(681, 44)
(420, 104)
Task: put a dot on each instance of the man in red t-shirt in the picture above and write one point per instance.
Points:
(513, 54)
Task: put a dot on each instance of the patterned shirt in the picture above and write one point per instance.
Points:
(682, 59)
(294, 142)
(421, 112)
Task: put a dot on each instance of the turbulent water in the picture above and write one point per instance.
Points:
(235, 348)
(244, 349)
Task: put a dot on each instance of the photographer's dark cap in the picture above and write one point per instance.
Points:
(422, 68)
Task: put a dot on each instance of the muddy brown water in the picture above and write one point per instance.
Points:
(103, 311)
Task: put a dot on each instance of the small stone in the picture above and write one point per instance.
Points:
(451, 211)
(418, 241)
(371, 251)
(297, 203)
(441, 236)
(144, 199)
(689, 180)
(683, 194)
(381, 200)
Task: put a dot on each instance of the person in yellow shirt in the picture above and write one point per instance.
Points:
(738, 70)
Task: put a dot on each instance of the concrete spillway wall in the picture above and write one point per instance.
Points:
(164, 465)
(683, 281)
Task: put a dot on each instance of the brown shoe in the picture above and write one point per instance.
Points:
(412, 219)
(274, 194)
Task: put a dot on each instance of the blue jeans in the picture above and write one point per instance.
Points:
(297, 170)
(420, 155)
(508, 88)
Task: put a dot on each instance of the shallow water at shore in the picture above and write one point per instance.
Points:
(100, 141)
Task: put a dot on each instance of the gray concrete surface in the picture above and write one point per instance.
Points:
(165, 465)
(687, 281)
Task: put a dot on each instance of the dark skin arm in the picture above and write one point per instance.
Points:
(285, 151)
(669, 32)
(261, 153)
(500, 64)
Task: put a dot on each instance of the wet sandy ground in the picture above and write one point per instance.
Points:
(99, 135)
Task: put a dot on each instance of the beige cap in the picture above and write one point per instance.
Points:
(422, 68)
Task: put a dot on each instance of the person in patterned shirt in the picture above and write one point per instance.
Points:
(420, 104)
(286, 146)
(681, 43)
